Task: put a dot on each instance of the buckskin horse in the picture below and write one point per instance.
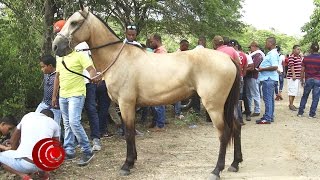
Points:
(136, 77)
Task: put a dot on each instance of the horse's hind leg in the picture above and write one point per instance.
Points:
(237, 149)
(224, 135)
(128, 116)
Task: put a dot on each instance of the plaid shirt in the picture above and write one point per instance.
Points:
(48, 82)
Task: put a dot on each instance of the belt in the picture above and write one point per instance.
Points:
(28, 160)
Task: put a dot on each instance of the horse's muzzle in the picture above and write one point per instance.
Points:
(60, 46)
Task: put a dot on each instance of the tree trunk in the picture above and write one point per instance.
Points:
(48, 23)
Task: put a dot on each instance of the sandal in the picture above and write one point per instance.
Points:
(263, 121)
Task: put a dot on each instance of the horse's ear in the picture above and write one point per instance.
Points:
(81, 5)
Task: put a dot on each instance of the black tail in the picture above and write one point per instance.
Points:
(230, 107)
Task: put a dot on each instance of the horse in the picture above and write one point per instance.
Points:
(136, 77)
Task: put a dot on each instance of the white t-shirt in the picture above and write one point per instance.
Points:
(84, 45)
(34, 127)
(199, 47)
(249, 59)
(281, 60)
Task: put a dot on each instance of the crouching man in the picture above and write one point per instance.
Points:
(32, 128)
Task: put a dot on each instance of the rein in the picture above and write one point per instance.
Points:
(94, 48)
(106, 69)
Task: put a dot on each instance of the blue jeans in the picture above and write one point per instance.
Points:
(71, 109)
(56, 112)
(253, 93)
(268, 97)
(98, 118)
(103, 102)
(160, 116)
(314, 85)
(177, 108)
(280, 84)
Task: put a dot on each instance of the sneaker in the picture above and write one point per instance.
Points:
(299, 115)
(109, 135)
(26, 177)
(255, 114)
(138, 133)
(263, 121)
(311, 117)
(248, 118)
(292, 108)
(179, 117)
(96, 144)
(69, 157)
(85, 159)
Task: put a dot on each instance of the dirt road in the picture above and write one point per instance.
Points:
(287, 149)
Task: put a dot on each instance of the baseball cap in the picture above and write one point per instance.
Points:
(233, 42)
(57, 26)
(218, 40)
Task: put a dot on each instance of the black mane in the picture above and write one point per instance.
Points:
(107, 26)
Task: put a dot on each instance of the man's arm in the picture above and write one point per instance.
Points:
(95, 78)
(56, 85)
(250, 67)
(302, 75)
(15, 139)
(271, 68)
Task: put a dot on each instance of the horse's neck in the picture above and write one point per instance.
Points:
(101, 35)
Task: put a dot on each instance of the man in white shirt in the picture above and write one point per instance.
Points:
(33, 127)
(278, 91)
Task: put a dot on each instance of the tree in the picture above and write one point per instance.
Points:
(312, 28)
(202, 17)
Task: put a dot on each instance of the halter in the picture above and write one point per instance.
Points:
(88, 49)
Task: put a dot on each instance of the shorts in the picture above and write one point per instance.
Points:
(18, 164)
(293, 87)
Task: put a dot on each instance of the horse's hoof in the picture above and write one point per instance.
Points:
(124, 172)
(233, 169)
(213, 177)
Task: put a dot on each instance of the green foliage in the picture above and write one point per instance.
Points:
(20, 76)
(312, 28)
(251, 34)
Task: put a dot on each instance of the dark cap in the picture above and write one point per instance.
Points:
(233, 42)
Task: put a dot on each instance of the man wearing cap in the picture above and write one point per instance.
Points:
(252, 83)
(71, 100)
(218, 44)
(268, 76)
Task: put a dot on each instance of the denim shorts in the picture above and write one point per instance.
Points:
(18, 164)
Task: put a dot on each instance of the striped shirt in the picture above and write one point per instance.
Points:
(312, 66)
(48, 82)
(296, 63)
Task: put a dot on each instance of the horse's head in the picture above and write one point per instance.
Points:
(75, 31)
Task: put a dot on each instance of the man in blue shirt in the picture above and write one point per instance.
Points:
(268, 76)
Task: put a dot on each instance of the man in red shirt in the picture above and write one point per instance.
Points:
(156, 44)
(293, 75)
(311, 72)
(218, 44)
(243, 69)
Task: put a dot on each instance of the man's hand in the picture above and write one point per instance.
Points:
(97, 78)
(294, 77)
(54, 102)
(302, 82)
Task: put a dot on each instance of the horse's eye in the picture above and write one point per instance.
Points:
(74, 23)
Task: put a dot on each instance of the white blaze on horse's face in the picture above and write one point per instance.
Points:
(73, 32)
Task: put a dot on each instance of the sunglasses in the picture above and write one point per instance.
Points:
(131, 27)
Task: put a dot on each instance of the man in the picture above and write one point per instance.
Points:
(71, 100)
(268, 76)
(7, 123)
(156, 44)
(243, 70)
(293, 76)
(48, 67)
(131, 35)
(218, 44)
(311, 72)
(33, 127)
(202, 42)
(184, 46)
(252, 84)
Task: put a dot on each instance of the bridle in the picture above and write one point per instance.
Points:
(88, 49)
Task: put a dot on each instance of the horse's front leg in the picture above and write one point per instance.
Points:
(128, 116)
